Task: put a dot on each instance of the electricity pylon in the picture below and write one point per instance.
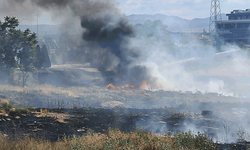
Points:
(215, 16)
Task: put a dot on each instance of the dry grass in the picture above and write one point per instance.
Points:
(4, 101)
(114, 140)
(102, 94)
(44, 89)
(30, 144)
(61, 117)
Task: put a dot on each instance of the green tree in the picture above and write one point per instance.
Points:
(17, 48)
(42, 57)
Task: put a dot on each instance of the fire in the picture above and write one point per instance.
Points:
(112, 87)
(145, 85)
(128, 86)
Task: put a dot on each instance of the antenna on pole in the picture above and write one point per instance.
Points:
(215, 16)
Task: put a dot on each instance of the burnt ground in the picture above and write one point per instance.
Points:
(83, 104)
(78, 110)
(58, 123)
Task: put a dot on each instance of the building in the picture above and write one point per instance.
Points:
(236, 28)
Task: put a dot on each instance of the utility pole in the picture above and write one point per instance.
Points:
(37, 26)
(215, 16)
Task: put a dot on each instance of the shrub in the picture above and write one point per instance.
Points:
(20, 111)
(198, 141)
(6, 107)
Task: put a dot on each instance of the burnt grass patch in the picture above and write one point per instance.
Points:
(54, 124)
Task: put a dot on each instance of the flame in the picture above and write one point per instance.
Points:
(145, 85)
(128, 86)
(112, 87)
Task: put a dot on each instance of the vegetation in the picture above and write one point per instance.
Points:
(8, 108)
(42, 57)
(20, 111)
(114, 140)
(187, 140)
(19, 51)
(17, 48)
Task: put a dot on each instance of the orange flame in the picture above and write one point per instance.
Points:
(128, 86)
(112, 87)
(145, 85)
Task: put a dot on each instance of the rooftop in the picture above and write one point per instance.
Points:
(239, 11)
(235, 21)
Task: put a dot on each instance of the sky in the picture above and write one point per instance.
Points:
(187, 9)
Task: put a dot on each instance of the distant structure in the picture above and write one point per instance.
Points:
(236, 28)
(215, 16)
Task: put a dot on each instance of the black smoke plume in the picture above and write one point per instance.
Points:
(106, 27)
(113, 38)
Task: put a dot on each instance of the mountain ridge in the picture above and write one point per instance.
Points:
(174, 23)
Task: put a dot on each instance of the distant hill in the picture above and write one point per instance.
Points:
(175, 23)
(53, 30)
(42, 28)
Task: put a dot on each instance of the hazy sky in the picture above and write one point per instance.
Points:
(188, 9)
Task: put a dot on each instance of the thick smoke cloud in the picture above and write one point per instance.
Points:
(104, 26)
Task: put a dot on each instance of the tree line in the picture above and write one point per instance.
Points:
(19, 51)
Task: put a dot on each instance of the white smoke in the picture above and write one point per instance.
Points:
(190, 65)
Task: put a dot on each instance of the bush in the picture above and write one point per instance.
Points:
(198, 141)
(21, 111)
(6, 107)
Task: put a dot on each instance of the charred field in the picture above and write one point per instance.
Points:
(87, 105)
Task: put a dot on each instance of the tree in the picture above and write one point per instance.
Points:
(17, 48)
(46, 62)
(42, 57)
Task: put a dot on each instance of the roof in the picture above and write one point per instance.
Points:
(235, 21)
(237, 12)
